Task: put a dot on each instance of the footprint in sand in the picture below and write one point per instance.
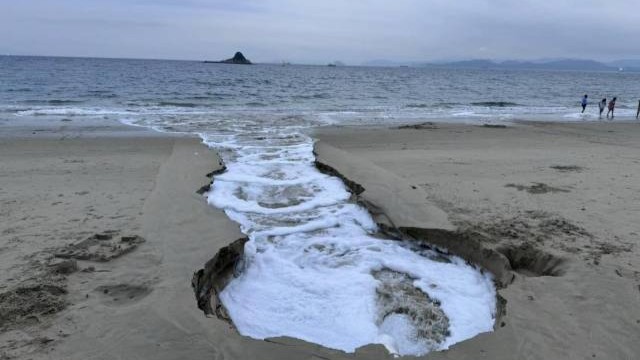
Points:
(122, 294)
(101, 247)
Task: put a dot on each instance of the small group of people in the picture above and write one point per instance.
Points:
(603, 104)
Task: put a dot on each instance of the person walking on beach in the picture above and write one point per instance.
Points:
(584, 103)
(602, 105)
(612, 106)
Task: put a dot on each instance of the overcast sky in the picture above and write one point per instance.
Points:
(319, 31)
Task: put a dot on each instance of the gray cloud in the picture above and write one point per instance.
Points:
(321, 31)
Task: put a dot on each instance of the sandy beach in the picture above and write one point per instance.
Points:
(103, 230)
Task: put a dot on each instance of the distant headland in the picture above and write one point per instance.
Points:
(238, 58)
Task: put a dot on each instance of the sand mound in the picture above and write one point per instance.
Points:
(100, 247)
(43, 290)
(29, 302)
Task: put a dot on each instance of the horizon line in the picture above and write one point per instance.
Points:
(364, 63)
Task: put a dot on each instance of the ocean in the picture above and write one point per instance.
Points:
(162, 92)
(315, 265)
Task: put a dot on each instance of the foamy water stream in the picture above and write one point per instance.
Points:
(313, 268)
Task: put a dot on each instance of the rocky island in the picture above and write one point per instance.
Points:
(238, 58)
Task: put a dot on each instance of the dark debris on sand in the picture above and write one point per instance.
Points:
(537, 188)
(567, 168)
(422, 126)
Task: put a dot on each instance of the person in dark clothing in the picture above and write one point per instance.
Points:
(602, 105)
(638, 112)
(612, 106)
(584, 103)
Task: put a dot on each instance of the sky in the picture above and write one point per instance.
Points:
(321, 31)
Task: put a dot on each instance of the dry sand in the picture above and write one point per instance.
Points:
(558, 203)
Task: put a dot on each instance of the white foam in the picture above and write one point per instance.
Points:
(467, 113)
(131, 122)
(399, 336)
(311, 254)
(320, 289)
(70, 111)
(226, 195)
(580, 116)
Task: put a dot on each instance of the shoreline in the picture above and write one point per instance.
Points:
(166, 200)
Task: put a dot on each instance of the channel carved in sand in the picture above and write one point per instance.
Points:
(397, 296)
(329, 263)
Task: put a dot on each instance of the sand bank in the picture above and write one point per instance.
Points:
(556, 203)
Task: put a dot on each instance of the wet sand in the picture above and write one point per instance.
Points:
(554, 205)
(558, 202)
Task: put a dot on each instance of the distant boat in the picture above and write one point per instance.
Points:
(331, 65)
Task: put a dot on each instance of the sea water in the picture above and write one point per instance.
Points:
(315, 267)
(168, 91)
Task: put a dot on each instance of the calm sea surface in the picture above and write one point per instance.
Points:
(166, 92)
